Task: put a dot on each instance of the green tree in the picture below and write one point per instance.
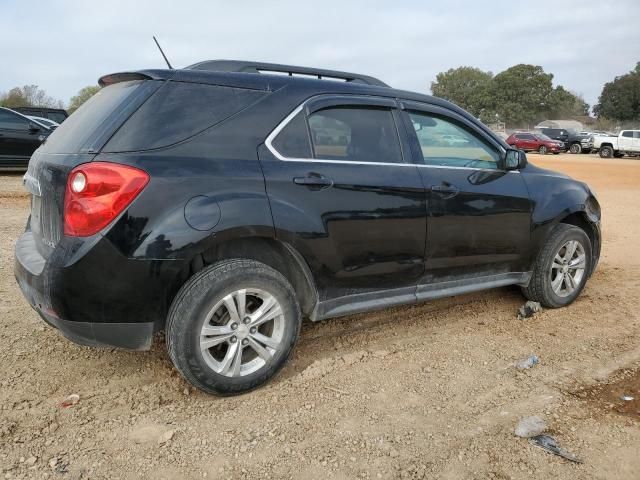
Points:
(521, 94)
(620, 99)
(28, 96)
(82, 96)
(565, 104)
(467, 87)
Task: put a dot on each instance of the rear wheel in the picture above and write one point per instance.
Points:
(575, 148)
(562, 267)
(232, 326)
(606, 152)
(542, 150)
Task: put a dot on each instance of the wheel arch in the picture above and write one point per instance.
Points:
(280, 256)
(581, 220)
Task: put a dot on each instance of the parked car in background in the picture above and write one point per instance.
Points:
(253, 200)
(19, 138)
(627, 142)
(58, 115)
(50, 124)
(535, 142)
(572, 140)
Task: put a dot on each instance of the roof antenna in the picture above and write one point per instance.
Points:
(163, 55)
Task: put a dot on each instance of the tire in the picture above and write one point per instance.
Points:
(542, 150)
(606, 152)
(541, 286)
(575, 148)
(207, 360)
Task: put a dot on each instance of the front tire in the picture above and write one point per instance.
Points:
(542, 150)
(232, 326)
(575, 148)
(562, 267)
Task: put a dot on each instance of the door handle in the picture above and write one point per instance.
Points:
(314, 181)
(447, 191)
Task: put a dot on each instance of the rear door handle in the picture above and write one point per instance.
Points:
(314, 181)
(447, 191)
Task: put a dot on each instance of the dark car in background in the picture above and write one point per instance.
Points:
(574, 142)
(58, 115)
(20, 136)
(535, 142)
(223, 204)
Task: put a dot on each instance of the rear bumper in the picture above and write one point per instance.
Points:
(130, 336)
(95, 296)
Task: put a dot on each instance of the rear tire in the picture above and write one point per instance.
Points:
(559, 274)
(606, 152)
(217, 335)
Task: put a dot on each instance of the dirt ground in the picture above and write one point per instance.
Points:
(424, 391)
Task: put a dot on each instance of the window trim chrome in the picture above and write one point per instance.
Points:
(274, 133)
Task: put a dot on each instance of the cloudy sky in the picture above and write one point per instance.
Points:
(63, 45)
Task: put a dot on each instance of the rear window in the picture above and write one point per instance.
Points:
(90, 125)
(178, 111)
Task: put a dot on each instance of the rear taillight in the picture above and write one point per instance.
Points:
(98, 192)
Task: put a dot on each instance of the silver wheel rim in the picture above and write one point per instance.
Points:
(567, 268)
(242, 332)
(543, 150)
(575, 148)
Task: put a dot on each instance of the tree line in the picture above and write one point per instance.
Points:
(524, 94)
(520, 95)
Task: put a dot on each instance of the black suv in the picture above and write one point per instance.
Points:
(223, 203)
(19, 138)
(574, 142)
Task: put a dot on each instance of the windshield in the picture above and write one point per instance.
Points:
(542, 136)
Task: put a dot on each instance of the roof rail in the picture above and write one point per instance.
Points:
(291, 70)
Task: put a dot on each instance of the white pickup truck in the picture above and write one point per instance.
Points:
(626, 143)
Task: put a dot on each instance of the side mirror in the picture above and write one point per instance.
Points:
(515, 159)
(33, 127)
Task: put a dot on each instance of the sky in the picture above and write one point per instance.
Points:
(64, 45)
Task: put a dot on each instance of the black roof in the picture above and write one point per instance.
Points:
(242, 74)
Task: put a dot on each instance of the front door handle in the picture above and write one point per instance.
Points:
(447, 191)
(314, 181)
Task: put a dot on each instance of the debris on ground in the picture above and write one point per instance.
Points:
(166, 436)
(529, 309)
(549, 444)
(530, 427)
(72, 399)
(528, 362)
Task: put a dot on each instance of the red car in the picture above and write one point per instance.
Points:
(535, 142)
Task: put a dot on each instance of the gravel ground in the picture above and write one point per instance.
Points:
(427, 391)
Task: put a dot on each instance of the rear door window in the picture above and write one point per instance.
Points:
(178, 111)
(357, 134)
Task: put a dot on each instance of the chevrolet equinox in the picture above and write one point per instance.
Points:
(224, 202)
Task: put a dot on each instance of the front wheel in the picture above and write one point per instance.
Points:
(542, 150)
(562, 267)
(575, 148)
(232, 326)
